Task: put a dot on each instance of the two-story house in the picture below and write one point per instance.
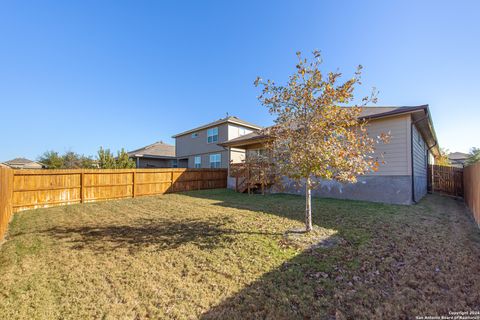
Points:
(199, 147)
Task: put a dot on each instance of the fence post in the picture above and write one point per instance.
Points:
(6, 198)
(82, 187)
(171, 182)
(133, 183)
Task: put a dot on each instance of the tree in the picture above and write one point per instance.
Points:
(52, 160)
(69, 160)
(88, 163)
(442, 159)
(106, 160)
(314, 137)
(474, 156)
(123, 161)
(72, 160)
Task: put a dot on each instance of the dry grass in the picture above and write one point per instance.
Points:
(219, 254)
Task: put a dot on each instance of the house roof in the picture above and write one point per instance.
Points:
(382, 112)
(23, 163)
(158, 149)
(18, 161)
(426, 127)
(229, 119)
(458, 156)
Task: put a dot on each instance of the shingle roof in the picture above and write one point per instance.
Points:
(23, 163)
(157, 149)
(250, 136)
(379, 112)
(18, 161)
(230, 119)
(367, 113)
(458, 156)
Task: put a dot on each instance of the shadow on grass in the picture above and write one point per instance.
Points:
(313, 284)
(149, 233)
(304, 287)
(380, 271)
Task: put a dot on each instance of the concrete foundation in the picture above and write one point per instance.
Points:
(386, 189)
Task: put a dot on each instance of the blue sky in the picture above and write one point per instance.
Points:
(84, 74)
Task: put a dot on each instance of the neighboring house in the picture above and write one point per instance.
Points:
(457, 159)
(403, 177)
(23, 163)
(199, 147)
(156, 155)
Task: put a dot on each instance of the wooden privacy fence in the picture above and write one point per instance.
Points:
(29, 189)
(446, 179)
(6, 196)
(472, 189)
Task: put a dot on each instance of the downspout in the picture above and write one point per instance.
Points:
(428, 160)
(411, 155)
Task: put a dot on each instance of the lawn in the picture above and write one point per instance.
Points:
(219, 254)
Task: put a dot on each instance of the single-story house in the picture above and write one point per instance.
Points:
(403, 179)
(155, 155)
(458, 159)
(23, 163)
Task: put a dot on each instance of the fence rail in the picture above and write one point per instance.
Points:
(30, 189)
(472, 189)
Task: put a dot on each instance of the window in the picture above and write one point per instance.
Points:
(198, 162)
(212, 135)
(215, 160)
(256, 152)
(241, 131)
(195, 134)
(174, 163)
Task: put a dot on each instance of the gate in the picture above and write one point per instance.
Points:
(445, 179)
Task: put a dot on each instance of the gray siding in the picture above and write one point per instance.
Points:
(419, 164)
(206, 159)
(187, 145)
(153, 163)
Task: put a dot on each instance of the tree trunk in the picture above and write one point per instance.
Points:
(308, 206)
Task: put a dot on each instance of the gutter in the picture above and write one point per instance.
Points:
(405, 110)
(428, 150)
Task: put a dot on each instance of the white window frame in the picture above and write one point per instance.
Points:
(215, 160)
(199, 163)
(212, 135)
